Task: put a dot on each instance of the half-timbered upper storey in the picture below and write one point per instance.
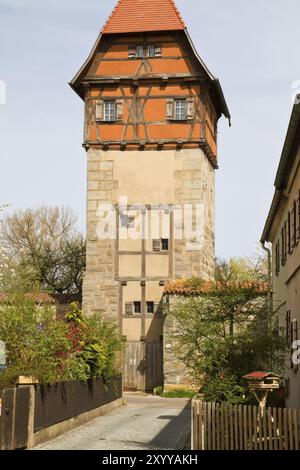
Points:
(145, 86)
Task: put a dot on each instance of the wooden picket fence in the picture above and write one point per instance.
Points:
(235, 427)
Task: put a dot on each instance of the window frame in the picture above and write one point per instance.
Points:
(137, 303)
(167, 241)
(152, 305)
(153, 48)
(277, 258)
(178, 113)
(140, 48)
(127, 221)
(111, 112)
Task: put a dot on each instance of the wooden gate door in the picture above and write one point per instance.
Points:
(143, 366)
(154, 376)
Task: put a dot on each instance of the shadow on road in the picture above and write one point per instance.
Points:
(179, 426)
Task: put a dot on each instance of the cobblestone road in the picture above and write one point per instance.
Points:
(148, 422)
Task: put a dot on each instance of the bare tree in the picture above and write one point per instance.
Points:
(44, 247)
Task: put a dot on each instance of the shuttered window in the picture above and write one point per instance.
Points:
(99, 110)
(288, 327)
(119, 110)
(277, 259)
(156, 244)
(132, 52)
(128, 308)
(190, 112)
(284, 244)
(158, 51)
(170, 109)
(293, 225)
(289, 234)
(109, 111)
(180, 110)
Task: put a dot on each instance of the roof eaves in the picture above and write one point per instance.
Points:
(213, 79)
(74, 80)
(288, 154)
(285, 165)
(271, 215)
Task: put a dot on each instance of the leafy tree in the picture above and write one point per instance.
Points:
(225, 334)
(253, 268)
(43, 251)
(79, 348)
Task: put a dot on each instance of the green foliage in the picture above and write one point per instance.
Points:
(223, 335)
(253, 268)
(194, 282)
(178, 393)
(79, 348)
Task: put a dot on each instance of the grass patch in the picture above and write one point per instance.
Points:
(179, 393)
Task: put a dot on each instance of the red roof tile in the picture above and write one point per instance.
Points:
(133, 16)
(183, 287)
(260, 375)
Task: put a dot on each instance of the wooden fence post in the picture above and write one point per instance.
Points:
(8, 419)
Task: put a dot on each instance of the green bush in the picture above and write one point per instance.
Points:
(178, 393)
(79, 348)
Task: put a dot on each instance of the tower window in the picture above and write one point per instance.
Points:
(140, 52)
(109, 111)
(151, 51)
(165, 244)
(150, 308)
(127, 221)
(180, 110)
(137, 308)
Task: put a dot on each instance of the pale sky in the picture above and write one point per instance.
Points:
(252, 47)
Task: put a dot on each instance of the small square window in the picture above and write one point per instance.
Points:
(140, 51)
(109, 111)
(137, 308)
(151, 51)
(127, 221)
(150, 308)
(165, 244)
(180, 110)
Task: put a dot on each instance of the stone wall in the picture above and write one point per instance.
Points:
(145, 177)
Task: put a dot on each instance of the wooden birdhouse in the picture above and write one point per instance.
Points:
(261, 384)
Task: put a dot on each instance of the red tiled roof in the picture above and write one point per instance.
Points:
(183, 287)
(260, 375)
(133, 16)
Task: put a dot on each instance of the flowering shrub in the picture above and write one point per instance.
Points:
(78, 348)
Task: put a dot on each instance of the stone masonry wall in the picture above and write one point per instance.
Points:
(190, 180)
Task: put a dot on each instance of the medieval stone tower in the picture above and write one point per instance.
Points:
(150, 133)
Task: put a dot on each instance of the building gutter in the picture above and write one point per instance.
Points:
(270, 290)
